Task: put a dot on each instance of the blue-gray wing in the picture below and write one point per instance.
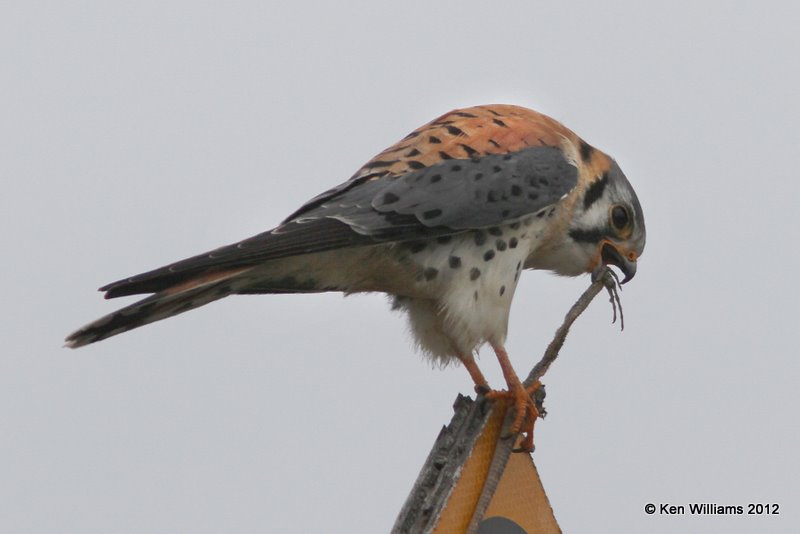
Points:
(447, 198)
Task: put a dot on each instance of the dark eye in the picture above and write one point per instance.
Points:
(619, 217)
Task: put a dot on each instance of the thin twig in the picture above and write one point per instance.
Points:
(605, 279)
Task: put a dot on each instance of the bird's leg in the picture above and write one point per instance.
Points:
(481, 385)
(525, 409)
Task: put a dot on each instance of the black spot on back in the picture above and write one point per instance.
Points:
(501, 245)
(474, 273)
(413, 152)
(513, 242)
(586, 151)
(434, 140)
(385, 163)
(480, 238)
(500, 123)
(454, 130)
(455, 262)
(431, 214)
(502, 290)
(495, 231)
(488, 255)
(469, 150)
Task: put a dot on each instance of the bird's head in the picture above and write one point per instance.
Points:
(607, 227)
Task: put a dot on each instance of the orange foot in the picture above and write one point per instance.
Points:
(525, 411)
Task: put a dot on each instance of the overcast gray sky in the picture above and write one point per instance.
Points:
(137, 134)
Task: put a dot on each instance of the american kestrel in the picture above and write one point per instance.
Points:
(444, 221)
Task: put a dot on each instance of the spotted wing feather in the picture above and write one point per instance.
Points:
(453, 196)
(457, 146)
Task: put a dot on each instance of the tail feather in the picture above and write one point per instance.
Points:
(154, 308)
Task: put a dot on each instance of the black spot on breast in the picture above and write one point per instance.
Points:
(514, 225)
(416, 165)
(443, 240)
(513, 242)
(478, 176)
(519, 265)
(431, 214)
(497, 168)
(501, 245)
(454, 130)
(455, 262)
(495, 231)
(544, 181)
(492, 196)
(430, 273)
(416, 246)
(502, 290)
(480, 238)
(456, 168)
(516, 190)
(488, 255)
(390, 198)
(505, 213)
(436, 178)
(434, 140)
(475, 296)
(474, 273)
(533, 196)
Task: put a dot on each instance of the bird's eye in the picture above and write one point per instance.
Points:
(619, 217)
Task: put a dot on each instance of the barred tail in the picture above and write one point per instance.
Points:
(151, 309)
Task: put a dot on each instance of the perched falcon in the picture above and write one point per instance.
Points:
(444, 221)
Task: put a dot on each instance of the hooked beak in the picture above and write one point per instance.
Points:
(611, 256)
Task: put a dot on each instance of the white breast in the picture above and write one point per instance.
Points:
(465, 285)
